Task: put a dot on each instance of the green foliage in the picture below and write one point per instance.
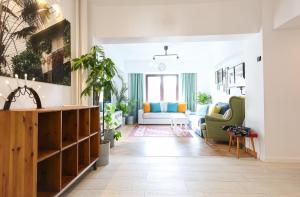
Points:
(101, 71)
(121, 98)
(26, 16)
(28, 62)
(108, 117)
(109, 121)
(124, 108)
(203, 98)
(117, 135)
(131, 106)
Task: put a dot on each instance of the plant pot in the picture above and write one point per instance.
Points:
(123, 121)
(109, 135)
(130, 120)
(104, 153)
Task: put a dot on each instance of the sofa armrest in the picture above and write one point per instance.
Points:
(140, 116)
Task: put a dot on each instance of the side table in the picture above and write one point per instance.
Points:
(242, 139)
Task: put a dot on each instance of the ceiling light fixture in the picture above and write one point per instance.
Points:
(166, 54)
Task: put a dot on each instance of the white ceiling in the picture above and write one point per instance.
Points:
(206, 53)
(152, 2)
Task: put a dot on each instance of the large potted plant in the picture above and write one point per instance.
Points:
(110, 133)
(101, 71)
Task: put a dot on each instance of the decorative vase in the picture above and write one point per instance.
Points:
(130, 120)
(109, 135)
(104, 153)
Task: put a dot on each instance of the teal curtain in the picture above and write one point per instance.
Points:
(136, 92)
(189, 90)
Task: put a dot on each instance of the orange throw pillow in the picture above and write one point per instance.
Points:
(182, 107)
(146, 107)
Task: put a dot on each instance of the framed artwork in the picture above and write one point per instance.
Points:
(219, 76)
(231, 77)
(39, 46)
(239, 72)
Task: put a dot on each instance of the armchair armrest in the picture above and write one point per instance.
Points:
(214, 118)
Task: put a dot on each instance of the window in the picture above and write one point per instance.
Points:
(161, 88)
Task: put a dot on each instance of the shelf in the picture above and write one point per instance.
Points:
(84, 122)
(94, 147)
(69, 165)
(48, 175)
(65, 180)
(83, 154)
(69, 127)
(82, 138)
(45, 154)
(49, 131)
(95, 119)
(95, 133)
(46, 194)
(68, 144)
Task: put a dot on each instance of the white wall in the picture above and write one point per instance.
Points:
(281, 88)
(53, 95)
(170, 19)
(230, 54)
(286, 13)
(254, 97)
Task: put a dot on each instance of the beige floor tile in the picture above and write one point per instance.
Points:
(190, 168)
(173, 194)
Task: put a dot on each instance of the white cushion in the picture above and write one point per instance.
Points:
(227, 114)
(163, 106)
(163, 115)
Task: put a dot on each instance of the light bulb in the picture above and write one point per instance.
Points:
(25, 77)
(8, 85)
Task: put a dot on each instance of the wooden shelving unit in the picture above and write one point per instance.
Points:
(58, 145)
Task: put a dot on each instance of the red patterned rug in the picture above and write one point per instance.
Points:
(159, 131)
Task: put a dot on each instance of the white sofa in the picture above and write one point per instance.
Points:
(163, 117)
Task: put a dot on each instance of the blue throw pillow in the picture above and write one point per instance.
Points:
(224, 107)
(172, 107)
(155, 107)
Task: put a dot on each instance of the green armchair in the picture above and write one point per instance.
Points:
(212, 128)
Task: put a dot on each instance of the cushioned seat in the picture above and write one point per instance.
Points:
(203, 126)
(163, 115)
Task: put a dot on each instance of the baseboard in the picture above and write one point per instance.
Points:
(282, 160)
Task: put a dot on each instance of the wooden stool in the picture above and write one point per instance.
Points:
(242, 139)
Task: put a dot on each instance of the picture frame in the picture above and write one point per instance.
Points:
(231, 76)
(239, 72)
(219, 75)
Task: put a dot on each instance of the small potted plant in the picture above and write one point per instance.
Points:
(124, 108)
(203, 100)
(110, 133)
(122, 99)
(131, 109)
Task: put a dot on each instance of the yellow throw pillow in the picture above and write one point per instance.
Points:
(182, 107)
(214, 110)
(147, 107)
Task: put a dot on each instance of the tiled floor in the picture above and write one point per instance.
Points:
(139, 168)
